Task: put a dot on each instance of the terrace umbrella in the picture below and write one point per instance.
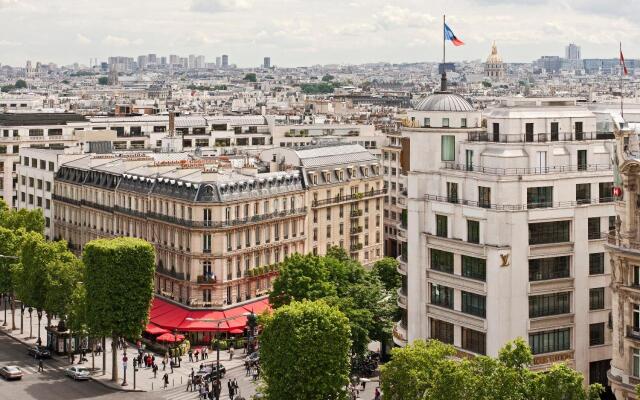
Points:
(170, 337)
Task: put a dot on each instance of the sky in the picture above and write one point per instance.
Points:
(308, 32)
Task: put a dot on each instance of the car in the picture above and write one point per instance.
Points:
(209, 371)
(39, 352)
(9, 372)
(77, 373)
(253, 357)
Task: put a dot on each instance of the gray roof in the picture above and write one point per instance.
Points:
(319, 156)
(444, 101)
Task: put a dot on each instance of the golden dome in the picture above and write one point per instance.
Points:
(494, 57)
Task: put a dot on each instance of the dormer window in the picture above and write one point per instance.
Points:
(445, 122)
(340, 174)
(463, 123)
(327, 176)
(427, 123)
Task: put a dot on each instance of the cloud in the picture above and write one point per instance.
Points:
(7, 3)
(82, 39)
(391, 17)
(216, 6)
(117, 41)
(9, 43)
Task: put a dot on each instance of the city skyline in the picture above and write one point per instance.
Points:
(288, 30)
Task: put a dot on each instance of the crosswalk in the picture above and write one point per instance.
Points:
(178, 393)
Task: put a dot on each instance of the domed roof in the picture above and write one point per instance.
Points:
(494, 57)
(444, 101)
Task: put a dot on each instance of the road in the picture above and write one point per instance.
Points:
(52, 383)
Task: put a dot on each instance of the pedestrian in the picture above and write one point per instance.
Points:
(206, 353)
(153, 360)
(217, 389)
(164, 365)
(247, 368)
(40, 365)
(155, 370)
(99, 348)
(171, 365)
(165, 380)
(189, 384)
(231, 350)
(192, 372)
(230, 388)
(201, 392)
(377, 394)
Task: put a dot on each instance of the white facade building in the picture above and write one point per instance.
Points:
(505, 214)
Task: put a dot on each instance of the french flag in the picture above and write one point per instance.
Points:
(449, 35)
(624, 66)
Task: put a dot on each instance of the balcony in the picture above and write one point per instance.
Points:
(355, 246)
(402, 298)
(227, 223)
(402, 265)
(259, 272)
(559, 169)
(400, 334)
(351, 197)
(356, 213)
(170, 273)
(516, 207)
(356, 229)
(537, 137)
(207, 279)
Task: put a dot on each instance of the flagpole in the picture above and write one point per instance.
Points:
(621, 73)
(443, 80)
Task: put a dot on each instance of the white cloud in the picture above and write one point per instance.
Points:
(82, 39)
(391, 17)
(7, 3)
(9, 43)
(216, 6)
(117, 41)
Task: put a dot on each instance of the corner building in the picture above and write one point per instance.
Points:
(505, 214)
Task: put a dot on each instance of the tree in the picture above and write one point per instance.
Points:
(327, 78)
(103, 80)
(7, 88)
(64, 274)
(30, 220)
(427, 371)
(301, 277)
(486, 84)
(20, 84)
(304, 352)
(387, 271)
(251, 77)
(119, 277)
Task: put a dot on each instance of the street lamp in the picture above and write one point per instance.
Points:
(124, 367)
(21, 318)
(5, 296)
(30, 323)
(39, 312)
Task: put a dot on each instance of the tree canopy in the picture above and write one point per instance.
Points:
(387, 271)
(428, 370)
(30, 220)
(251, 77)
(103, 80)
(304, 352)
(340, 282)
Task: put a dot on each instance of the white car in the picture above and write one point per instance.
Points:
(11, 372)
(77, 373)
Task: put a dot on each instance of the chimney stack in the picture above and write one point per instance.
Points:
(172, 123)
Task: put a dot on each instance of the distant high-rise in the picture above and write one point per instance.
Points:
(572, 52)
(142, 62)
(225, 61)
(218, 62)
(163, 60)
(152, 59)
(200, 62)
(173, 59)
(267, 62)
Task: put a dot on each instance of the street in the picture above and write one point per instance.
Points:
(51, 384)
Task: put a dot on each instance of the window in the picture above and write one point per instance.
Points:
(636, 363)
(463, 122)
(452, 192)
(441, 296)
(541, 269)
(583, 193)
(593, 230)
(636, 318)
(474, 341)
(473, 231)
(540, 197)
(579, 131)
(441, 226)
(549, 232)
(427, 123)
(554, 131)
(474, 268)
(612, 222)
(596, 263)
(469, 160)
(474, 304)
(528, 129)
(549, 304)
(206, 243)
(605, 192)
(447, 152)
(484, 197)
(636, 275)
(596, 334)
(598, 372)
(445, 122)
(442, 261)
(582, 160)
(442, 331)
(550, 341)
(596, 299)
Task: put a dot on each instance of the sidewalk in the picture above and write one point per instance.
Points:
(144, 380)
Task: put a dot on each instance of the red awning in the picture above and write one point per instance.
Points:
(154, 329)
(170, 337)
(170, 316)
(236, 331)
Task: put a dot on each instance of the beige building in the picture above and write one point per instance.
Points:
(624, 252)
(221, 226)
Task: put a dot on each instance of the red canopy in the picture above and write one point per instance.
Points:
(236, 331)
(154, 329)
(170, 337)
(170, 316)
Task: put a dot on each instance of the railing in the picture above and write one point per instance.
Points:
(226, 223)
(355, 196)
(170, 272)
(206, 279)
(356, 229)
(402, 266)
(128, 211)
(402, 297)
(537, 137)
(97, 206)
(517, 207)
(57, 197)
(527, 171)
(622, 242)
(356, 247)
(356, 213)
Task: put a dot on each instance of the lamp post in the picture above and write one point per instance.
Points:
(4, 301)
(135, 369)
(21, 318)
(30, 323)
(124, 367)
(39, 312)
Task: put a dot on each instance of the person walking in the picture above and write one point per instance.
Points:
(247, 368)
(190, 355)
(40, 365)
(377, 395)
(231, 350)
(189, 384)
(171, 365)
(230, 388)
(164, 365)
(155, 370)
(165, 380)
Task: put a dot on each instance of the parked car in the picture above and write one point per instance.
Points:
(77, 373)
(253, 357)
(39, 352)
(9, 372)
(209, 372)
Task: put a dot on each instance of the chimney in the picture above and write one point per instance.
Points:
(172, 123)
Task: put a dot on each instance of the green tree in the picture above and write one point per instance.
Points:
(327, 78)
(304, 352)
(103, 80)
(301, 277)
(427, 371)
(119, 277)
(486, 84)
(7, 88)
(251, 77)
(63, 275)
(30, 220)
(20, 84)
(387, 271)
